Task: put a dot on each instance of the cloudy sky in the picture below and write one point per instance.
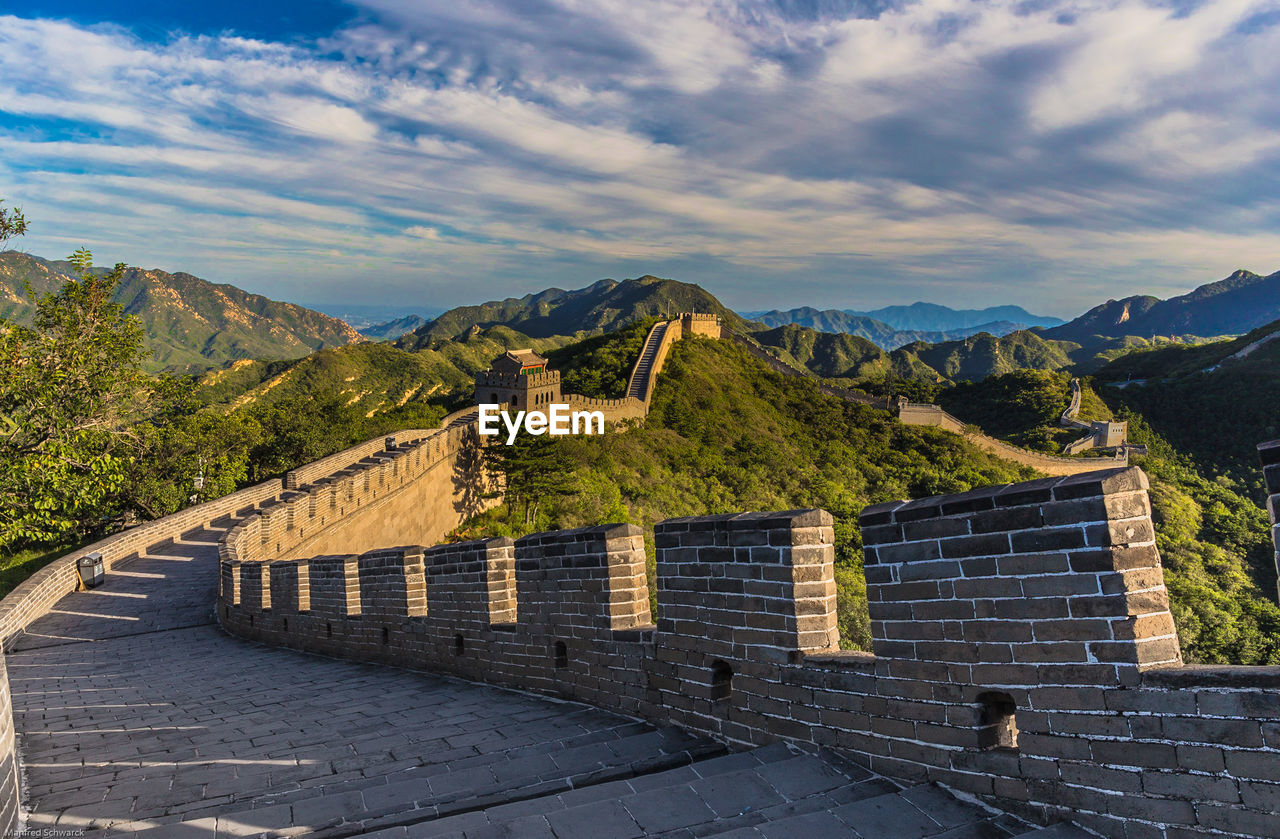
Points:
(779, 152)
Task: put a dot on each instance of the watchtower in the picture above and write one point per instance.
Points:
(520, 379)
(701, 323)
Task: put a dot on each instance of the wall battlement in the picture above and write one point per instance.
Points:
(496, 378)
(424, 486)
(1023, 650)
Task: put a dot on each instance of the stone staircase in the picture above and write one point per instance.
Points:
(639, 383)
(643, 782)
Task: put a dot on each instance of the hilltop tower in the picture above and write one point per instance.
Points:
(520, 379)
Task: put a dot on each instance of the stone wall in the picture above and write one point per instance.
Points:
(10, 784)
(1270, 454)
(304, 475)
(614, 410)
(564, 613)
(418, 491)
(701, 323)
(913, 413)
(315, 470)
(36, 595)
(1023, 647)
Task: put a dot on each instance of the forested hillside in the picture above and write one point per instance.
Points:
(601, 307)
(189, 324)
(725, 434)
(1212, 403)
(371, 377)
(1211, 530)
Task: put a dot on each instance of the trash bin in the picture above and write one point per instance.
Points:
(390, 444)
(91, 569)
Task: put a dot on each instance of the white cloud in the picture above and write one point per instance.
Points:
(982, 143)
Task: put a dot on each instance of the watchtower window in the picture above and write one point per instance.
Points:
(998, 726)
(515, 400)
(458, 645)
(561, 655)
(721, 681)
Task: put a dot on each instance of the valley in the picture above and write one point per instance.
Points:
(781, 416)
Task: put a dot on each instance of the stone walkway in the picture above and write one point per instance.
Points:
(135, 709)
(137, 716)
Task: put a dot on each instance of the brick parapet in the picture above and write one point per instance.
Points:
(564, 613)
(1103, 727)
(325, 466)
(35, 596)
(1048, 582)
(283, 527)
(10, 781)
(495, 378)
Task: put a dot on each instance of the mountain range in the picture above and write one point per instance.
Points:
(883, 335)
(193, 325)
(932, 317)
(189, 324)
(601, 307)
(1232, 306)
(896, 326)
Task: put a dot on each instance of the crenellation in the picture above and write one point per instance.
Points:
(1024, 651)
(289, 586)
(391, 583)
(334, 586)
(255, 586)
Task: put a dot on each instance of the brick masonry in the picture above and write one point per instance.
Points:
(10, 787)
(1270, 454)
(420, 489)
(1023, 647)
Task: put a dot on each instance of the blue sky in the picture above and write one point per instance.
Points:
(781, 153)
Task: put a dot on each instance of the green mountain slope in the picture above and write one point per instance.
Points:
(190, 324)
(1213, 537)
(600, 307)
(1208, 405)
(373, 378)
(980, 356)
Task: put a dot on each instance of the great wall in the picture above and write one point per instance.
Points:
(925, 414)
(1024, 671)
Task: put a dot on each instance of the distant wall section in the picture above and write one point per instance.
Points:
(418, 491)
(914, 413)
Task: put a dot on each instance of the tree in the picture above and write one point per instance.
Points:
(69, 387)
(531, 469)
(12, 223)
(180, 442)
